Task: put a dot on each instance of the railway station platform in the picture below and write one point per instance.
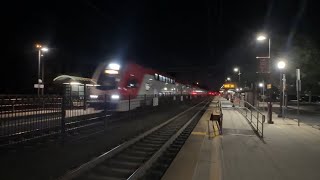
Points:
(287, 151)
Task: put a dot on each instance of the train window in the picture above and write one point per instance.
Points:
(156, 76)
(106, 82)
(132, 83)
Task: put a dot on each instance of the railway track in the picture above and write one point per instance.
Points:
(139, 157)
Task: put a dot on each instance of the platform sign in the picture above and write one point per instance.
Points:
(269, 86)
(263, 65)
(229, 86)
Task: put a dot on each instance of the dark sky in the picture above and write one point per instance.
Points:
(195, 40)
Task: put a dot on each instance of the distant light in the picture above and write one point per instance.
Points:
(197, 82)
(38, 46)
(115, 96)
(44, 49)
(240, 89)
(131, 74)
(110, 71)
(281, 64)
(114, 66)
(236, 69)
(165, 88)
(228, 79)
(150, 79)
(237, 89)
(261, 38)
(93, 96)
(261, 84)
(41, 54)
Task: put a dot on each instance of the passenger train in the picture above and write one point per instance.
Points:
(120, 81)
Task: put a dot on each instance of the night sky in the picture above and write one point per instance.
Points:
(193, 40)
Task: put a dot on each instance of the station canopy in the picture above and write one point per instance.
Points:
(74, 80)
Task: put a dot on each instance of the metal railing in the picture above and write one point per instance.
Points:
(255, 118)
(25, 118)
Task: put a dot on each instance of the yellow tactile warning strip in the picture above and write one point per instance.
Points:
(199, 133)
(215, 132)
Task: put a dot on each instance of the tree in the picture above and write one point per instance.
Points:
(302, 53)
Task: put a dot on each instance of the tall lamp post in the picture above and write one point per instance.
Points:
(40, 79)
(281, 65)
(262, 38)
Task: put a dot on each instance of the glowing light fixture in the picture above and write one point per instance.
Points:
(110, 71)
(261, 38)
(281, 64)
(93, 96)
(114, 66)
(75, 83)
(45, 49)
(115, 96)
(261, 84)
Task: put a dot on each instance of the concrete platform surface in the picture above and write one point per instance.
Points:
(288, 151)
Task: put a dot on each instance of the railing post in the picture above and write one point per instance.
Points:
(246, 114)
(263, 119)
(129, 103)
(105, 112)
(145, 100)
(63, 119)
(84, 97)
(258, 125)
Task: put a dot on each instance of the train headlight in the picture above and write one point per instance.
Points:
(94, 96)
(115, 96)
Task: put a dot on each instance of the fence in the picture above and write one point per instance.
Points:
(26, 118)
(22, 117)
(253, 115)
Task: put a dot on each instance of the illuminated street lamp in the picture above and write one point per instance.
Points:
(40, 81)
(236, 69)
(228, 79)
(281, 65)
(261, 85)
